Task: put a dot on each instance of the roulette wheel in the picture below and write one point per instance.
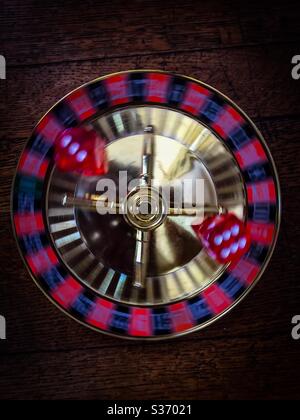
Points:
(134, 264)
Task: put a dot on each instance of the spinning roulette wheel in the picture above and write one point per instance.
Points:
(139, 266)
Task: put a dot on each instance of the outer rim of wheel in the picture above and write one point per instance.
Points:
(276, 222)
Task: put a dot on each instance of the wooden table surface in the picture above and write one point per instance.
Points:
(244, 49)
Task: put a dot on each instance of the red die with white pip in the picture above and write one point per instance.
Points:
(225, 237)
(80, 150)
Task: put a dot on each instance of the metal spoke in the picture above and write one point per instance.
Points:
(91, 203)
(141, 258)
(194, 211)
(147, 159)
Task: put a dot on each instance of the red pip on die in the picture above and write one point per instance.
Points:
(225, 237)
(80, 150)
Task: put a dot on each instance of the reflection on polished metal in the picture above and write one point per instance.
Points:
(144, 208)
(138, 204)
(105, 252)
(156, 206)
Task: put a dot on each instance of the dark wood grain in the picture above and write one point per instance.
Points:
(184, 370)
(245, 51)
(254, 77)
(45, 32)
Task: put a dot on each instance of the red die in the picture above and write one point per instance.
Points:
(225, 237)
(80, 150)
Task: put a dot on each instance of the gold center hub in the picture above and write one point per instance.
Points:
(144, 208)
